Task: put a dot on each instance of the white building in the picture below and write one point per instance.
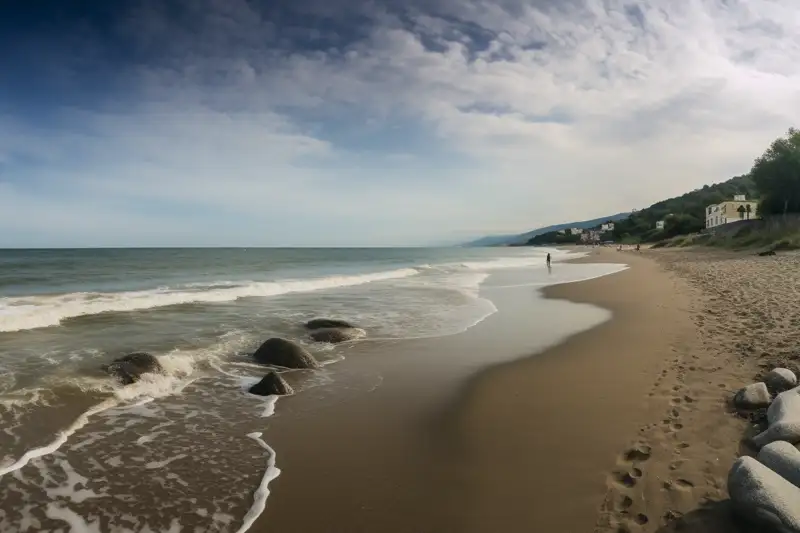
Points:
(660, 224)
(608, 226)
(576, 231)
(740, 208)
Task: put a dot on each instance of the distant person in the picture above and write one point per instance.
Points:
(637, 248)
(548, 259)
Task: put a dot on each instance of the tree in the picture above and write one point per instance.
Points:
(741, 211)
(749, 210)
(777, 175)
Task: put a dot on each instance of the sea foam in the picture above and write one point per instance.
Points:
(30, 312)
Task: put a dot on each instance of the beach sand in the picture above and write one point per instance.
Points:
(624, 427)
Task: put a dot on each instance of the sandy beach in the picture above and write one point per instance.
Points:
(624, 427)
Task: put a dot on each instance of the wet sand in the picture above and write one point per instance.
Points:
(626, 427)
(488, 430)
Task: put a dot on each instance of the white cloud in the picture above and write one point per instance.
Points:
(558, 112)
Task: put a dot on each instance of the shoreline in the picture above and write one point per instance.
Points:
(578, 407)
(378, 446)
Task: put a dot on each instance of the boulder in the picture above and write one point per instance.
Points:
(337, 335)
(129, 369)
(780, 379)
(783, 459)
(762, 497)
(783, 417)
(752, 397)
(281, 352)
(271, 384)
(320, 323)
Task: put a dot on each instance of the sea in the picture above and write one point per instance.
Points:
(80, 452)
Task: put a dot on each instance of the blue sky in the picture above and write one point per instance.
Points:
(380, 122)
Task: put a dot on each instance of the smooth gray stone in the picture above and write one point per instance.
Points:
(752, 396)
(130, 368)
(780, 379)
(281, 352)
(271, 384)
(761, 496)
(783, 459)
(783, 417)
(337, 335)
(319, 323)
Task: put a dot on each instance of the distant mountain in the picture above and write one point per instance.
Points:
(506, 240)
(493, 240)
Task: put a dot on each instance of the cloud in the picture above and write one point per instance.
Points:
(408, 122)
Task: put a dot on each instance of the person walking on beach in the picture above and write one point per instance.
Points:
(548, 259)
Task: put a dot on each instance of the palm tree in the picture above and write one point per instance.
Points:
(749, 210)
(741, 211)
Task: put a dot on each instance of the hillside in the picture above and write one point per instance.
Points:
(688, 212)
(523, 238)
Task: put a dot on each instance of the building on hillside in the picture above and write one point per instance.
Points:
(608, 226)
(576, 231)
(660, 224)
(561, 232)
(590, 236)
(740, 208)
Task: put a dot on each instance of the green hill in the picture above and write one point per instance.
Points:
(687, 212)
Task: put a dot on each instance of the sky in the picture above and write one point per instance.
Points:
(374, 122)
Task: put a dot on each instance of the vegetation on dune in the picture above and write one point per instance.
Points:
(776, 174)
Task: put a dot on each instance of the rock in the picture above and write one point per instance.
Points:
(761, 496)
(752, 397)
(320, 323)
(129, 369)
(780, 379)
(271, 384)
(783, 459)
(337, 335)
(280, 352)
(783, 417)
(768, 252)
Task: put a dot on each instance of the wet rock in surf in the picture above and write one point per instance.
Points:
(337, 335)
(752, 397)
(324, 323)
(271, 384)
(129, 369)
(281, 352)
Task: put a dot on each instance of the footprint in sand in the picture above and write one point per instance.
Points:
(625, 479)
(640, 452)
(625, 503)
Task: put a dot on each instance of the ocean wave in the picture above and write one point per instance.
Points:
(30, 312)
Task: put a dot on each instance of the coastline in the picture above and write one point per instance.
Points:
(623, 427)
(381, 448)
(573, 412)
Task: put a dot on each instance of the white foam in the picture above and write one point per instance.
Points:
(262, 492)
(161, 464)
(61, 437)
(269, 406)
(29, 312)
(69, 489)
(76, 522)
